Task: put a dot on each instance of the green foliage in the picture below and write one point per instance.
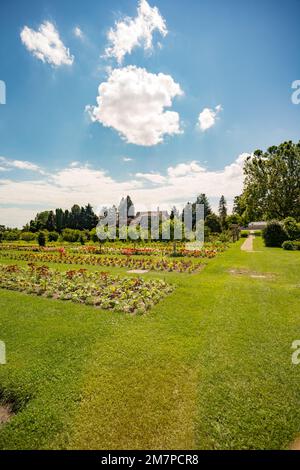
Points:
(272, 183)
(234, 219)
(223, 211)
(288, 245)
(41, 239)
(79, 218)
(70, 235)
(225, 236)
(245, 233)
(274, 234)
(27, 236)
(291, 245)
(11, 234)
(82, 239)
(213, 222)
(292, 228)
(53, 236)
(93, 235)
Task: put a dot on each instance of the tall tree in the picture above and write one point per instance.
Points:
(50, 224)
(174, 213)
(91, 218)
(75, 217)
(222, 210)
(272, 182)
(59, 220)
(201, 200)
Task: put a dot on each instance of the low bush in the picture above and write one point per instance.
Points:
(41, 239)
(288, 245)
(11, 235)
(274, 234)
(70, 235)
(291, 245)
(28, 236)
(245, 233)
(53, 236)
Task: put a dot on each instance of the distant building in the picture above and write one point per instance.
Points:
(257, 225)
(143, 218)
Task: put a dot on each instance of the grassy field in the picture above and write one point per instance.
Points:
(208, 368)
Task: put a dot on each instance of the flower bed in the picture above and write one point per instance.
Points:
(154, 264)
(100, 289)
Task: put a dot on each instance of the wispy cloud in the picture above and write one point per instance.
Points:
(46, 45)
(8, 164)
(155, 178)
(83, 184)
(135, 32)
(78, 32)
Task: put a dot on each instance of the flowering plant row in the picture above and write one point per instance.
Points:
(154, 264)
(126, 294)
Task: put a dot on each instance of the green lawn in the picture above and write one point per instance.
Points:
(209, 367)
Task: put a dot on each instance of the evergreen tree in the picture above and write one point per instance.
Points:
(174, 213)
(202, 199)
(50, 224)
(59, 220)
(222, 210)
(75, 217)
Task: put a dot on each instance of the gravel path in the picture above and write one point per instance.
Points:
(248, 243)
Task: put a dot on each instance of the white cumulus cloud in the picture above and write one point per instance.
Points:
(46, 45)
(183, 169)
(133, 32)
(207, 117)
(132, 101)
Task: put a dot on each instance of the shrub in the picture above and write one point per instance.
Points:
(288, 245)
(28, 236)
(82, 239)
(53, 236)
(225, 237)
(274, 234)
(70, 235)
(292, 228)
(212, 221)
(11, 235)
(291, 245)
(245, 233)
(41, 239)
(93, 235)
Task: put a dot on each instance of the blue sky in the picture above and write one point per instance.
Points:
(240, 55)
